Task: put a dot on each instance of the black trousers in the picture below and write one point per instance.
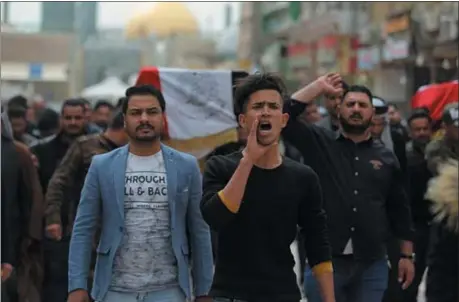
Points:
(56, 255)
(394, 292)
(10, 289)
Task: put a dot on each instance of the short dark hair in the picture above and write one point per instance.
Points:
(120, 102)
(49, 120)
(16, 111)
(103, 103)
(391, 104)
(359, 88)
(117, 121)
(417, 114)
(86, 102)
(73, 103)
(247, 86)
(18, 101)
(144, 90)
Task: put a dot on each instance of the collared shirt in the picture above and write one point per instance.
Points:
(364, 193)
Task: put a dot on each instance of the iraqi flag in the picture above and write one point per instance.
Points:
(199, 107)
(435, 97)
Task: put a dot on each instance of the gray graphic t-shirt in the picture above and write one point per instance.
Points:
(145, 260)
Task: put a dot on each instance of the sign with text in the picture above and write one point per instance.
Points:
(368, 58)
(35, 71)
(395, 50)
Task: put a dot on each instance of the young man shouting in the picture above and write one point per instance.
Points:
(255, 199)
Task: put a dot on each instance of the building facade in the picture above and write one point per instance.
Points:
(38, 63)
(324, 39)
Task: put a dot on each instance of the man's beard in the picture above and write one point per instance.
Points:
(354, 129)
(102, 124)
(144, 139)
(421, 142)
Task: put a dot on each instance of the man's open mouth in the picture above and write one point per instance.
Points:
(264, 126)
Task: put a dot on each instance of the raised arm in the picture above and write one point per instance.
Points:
(300, 134)
(222, 198)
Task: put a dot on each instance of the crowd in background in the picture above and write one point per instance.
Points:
(46, 154)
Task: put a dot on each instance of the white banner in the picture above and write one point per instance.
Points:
(198, 102)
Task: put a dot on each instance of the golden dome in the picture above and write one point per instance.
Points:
(164, 19)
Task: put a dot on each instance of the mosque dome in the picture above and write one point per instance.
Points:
(163, 20)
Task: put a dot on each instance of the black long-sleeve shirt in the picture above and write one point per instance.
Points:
(363, 187)
(254, 261)
(419, 176)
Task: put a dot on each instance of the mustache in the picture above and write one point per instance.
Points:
(356, 115)
(144, 126)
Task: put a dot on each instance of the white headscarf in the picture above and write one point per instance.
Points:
(6, 125)
(386, 137)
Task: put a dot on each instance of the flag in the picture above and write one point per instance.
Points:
(435, 97)
(199, 107)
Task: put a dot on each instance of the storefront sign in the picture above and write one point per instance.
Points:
(368, 58)
(299, 55)
(35, 71)
(327, 50)
(395, 50)
(398, 24)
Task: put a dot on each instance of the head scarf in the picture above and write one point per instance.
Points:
(7, 131)
(381, 110)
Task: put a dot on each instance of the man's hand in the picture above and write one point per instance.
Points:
(7, 269)
(79, 295)
(54, 231)
(253, 150)
(35, 160)
(203, 299)
(405, 272)
(331, 84)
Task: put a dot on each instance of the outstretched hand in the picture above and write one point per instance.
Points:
(254, 150)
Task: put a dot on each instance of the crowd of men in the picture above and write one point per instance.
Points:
(95, 207)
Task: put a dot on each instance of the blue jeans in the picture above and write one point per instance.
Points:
(174, 294)
(354, 281)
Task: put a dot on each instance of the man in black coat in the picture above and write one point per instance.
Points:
(49, 153)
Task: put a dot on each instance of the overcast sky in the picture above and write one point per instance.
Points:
(116, 14)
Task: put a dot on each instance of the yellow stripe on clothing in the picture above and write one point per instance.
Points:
(322, 268)
(230, 206)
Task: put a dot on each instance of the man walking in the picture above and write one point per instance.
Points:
(255, 199)
(67, 181)
(364, 194)
(49, 152)
(147, 197)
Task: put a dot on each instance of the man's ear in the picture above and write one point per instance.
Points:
(242, 121)
(285, 118)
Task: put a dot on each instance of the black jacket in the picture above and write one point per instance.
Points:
(50, 151)
(419, 176)
(12, 196)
